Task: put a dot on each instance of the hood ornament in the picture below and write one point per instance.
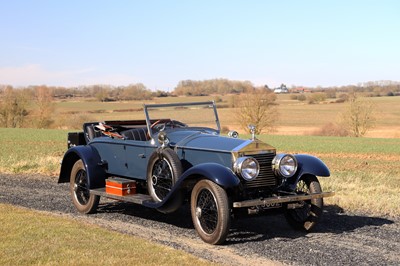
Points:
(252, 131)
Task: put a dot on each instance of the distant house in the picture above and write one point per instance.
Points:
(281, 89)
(301, 90)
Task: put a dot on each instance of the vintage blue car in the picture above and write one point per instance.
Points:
(177, 155)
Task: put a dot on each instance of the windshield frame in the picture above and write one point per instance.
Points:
(146, 108)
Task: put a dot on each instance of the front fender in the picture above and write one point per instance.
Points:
(214, 172)
(91, 159)
(217, 173)
(308, 164)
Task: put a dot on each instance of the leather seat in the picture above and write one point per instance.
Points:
(135, 134)
(91, 132)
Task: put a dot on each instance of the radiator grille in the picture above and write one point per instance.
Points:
(266, 178)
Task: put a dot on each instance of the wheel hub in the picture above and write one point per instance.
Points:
(154, 180)
(198, 212)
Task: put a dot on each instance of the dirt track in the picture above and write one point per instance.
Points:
(340, 239)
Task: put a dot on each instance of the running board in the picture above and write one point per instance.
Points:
(134, 198)
(281, 199)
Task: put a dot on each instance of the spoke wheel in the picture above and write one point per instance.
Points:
(79, 188)
(162, 178)
(306, 216)
(210, 212)
(163, 171)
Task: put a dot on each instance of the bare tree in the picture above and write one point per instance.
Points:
(259, 109)
(13, 107)
(359, 117)
(45, 107)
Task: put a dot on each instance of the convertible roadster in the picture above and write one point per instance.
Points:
(177, 154)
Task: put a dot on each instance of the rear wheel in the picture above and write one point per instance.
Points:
(306, 216)
(210, 212)
(79, 188)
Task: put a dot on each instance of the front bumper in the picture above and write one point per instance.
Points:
(281, 199)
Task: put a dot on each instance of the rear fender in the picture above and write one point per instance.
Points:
(92, 161)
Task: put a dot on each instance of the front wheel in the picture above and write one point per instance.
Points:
(79, 188)
(306, 216)
(210, 212)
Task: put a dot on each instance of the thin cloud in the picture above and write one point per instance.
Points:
(35, 74)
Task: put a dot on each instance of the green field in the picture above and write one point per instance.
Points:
(365, 171)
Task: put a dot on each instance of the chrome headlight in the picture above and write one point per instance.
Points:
(284, 165)
(247, 167)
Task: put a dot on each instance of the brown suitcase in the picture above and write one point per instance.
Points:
(120, 186)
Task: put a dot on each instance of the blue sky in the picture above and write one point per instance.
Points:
(159, 43)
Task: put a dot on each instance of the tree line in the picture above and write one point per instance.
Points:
(139, 91)
(33, 106)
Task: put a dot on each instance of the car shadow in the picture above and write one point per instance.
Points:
(180, 218)
(334, 221)
(252, 228)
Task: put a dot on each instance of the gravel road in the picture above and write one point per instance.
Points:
(340, 239)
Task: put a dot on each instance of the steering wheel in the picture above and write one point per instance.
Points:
(161, 124)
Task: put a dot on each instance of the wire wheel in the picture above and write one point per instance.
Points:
(207, 211)
(306, 216)
(161, 179)
(163, 171)
(210, 212)
(80, 192)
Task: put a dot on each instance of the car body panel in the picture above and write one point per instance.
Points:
(95, 166)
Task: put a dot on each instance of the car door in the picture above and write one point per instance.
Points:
(113, 152)
(137, 157)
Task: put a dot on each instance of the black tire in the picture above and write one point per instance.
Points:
(79, 188)
(163, 171)
(210, 212)
(306, 217)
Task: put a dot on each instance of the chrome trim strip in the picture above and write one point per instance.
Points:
(281, 199)
(200, 149)
(177, 104)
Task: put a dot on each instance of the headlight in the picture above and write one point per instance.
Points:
(284, 165)
(247, 167)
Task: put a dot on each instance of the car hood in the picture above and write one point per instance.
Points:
(208, 141)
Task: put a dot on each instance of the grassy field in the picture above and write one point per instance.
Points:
(365, 171)
(34, 238)
(33, 151)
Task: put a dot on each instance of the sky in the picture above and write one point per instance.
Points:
(159, 43)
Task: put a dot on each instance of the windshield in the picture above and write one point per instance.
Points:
(202, 114)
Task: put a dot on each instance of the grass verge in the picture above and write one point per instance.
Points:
(365, 172)
(29, 237)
